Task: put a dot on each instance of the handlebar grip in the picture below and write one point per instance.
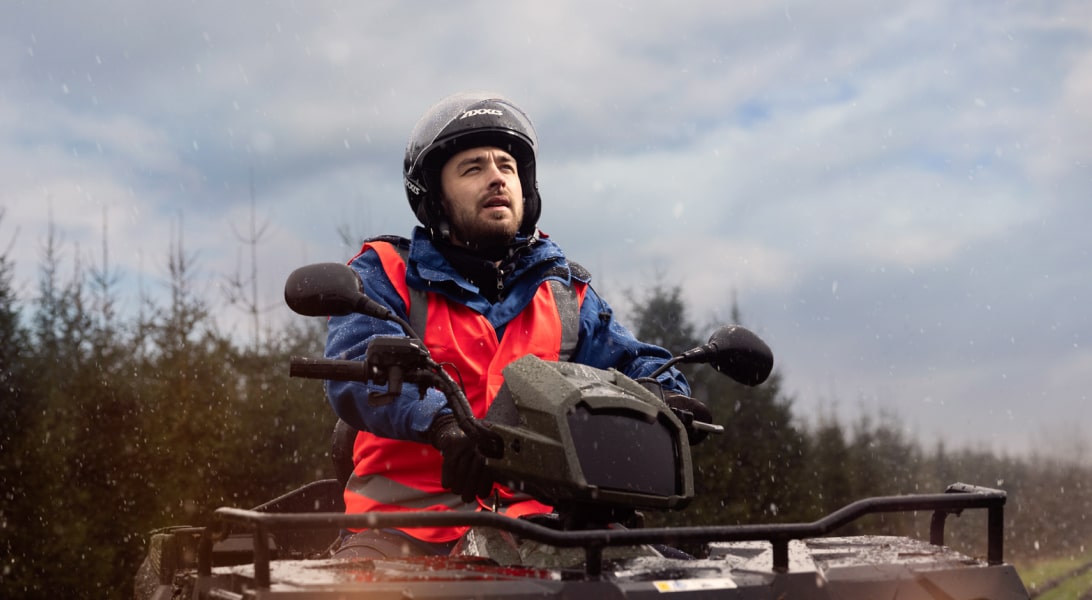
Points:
(325, 368)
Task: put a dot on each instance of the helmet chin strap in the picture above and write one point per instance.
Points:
(443, 230)
(439, 228)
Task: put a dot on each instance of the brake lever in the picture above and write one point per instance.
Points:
(394, 381)
(389, 359)
(707, 427)
(689, 422)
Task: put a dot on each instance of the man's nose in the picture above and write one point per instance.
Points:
(496, 176)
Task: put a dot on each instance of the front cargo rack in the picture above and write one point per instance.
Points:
(954, 500)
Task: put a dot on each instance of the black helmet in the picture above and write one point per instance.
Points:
(459, 122)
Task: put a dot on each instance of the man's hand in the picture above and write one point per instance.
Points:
(463, 471)
(686, 408)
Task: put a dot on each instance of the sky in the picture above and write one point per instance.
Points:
(894, 194)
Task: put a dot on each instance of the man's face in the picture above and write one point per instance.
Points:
(483, 196)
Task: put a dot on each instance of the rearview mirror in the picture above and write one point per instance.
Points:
(324, 289)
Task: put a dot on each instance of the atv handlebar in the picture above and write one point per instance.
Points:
(392, 362)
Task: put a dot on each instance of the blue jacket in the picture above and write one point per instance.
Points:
(603, 342)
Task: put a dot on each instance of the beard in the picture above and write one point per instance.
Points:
(469, 228)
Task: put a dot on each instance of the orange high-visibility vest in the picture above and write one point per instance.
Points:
(399, 475)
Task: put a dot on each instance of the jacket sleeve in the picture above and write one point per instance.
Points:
(407, 417)
(605, 343)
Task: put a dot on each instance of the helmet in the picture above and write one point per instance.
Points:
(457, 123)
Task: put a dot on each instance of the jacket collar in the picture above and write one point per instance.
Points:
(428, 268)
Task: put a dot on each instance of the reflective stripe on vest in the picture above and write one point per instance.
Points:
(398, 475)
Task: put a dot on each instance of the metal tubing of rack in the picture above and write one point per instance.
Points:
(595, 540)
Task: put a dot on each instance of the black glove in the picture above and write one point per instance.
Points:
(689, 410)
(686, 408)
(463, 471)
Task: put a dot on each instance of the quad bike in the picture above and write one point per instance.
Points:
(599, 448)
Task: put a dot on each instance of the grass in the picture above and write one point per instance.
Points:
(1039, 573)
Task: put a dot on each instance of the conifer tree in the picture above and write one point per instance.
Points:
(751, 472)
(17, 454)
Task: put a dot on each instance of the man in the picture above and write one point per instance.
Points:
(494, 288)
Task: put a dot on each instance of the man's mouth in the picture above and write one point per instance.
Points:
(497, 202)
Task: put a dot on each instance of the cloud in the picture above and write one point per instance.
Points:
(893, 194)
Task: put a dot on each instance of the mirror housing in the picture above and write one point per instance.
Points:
(741, 355)
(331, 290)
